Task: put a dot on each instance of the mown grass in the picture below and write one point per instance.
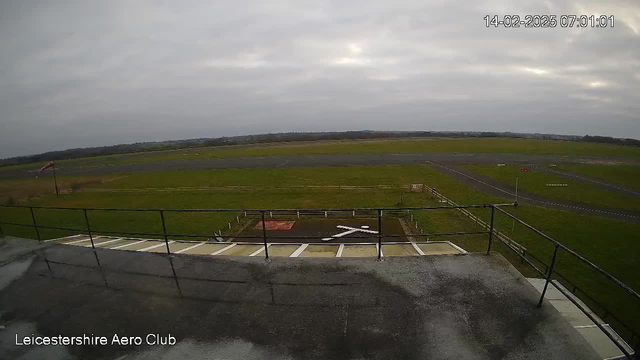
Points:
(14, 190)
(430, 145)
(613, 245)
(628, 175)
(535, 182)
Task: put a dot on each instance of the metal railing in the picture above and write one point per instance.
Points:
(378, 213)
(550, 271)
(266, 239)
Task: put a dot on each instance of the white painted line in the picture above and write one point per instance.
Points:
(456, 247)
(125, 245)
(340, 250)
(415, 246)
(587, 326)
(79, 241)
(259, 251)
(64, 238)
(223, 249)
(356, 229)
(299, 250)
(104, 242)
(155, 246)
(189, 248)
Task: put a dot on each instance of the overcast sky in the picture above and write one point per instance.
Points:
(91, 73)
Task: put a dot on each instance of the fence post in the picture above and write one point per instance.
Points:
(546, 284)
(379, 234)
(493, 209)
(86, 220)
(264, 236)
(35, 225)
(1, 232)
(164, 231)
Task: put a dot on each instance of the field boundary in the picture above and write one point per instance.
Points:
(248, 188)
(500, 235)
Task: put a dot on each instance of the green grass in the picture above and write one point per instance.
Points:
(434, 145)
(360, 175)
(622, 174)
(14, 190)
(535, 182)
(610, 244)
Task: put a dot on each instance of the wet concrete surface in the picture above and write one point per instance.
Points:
(258, 162)
(440, 307)
(496, 188)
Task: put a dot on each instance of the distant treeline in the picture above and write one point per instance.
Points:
(289, 137)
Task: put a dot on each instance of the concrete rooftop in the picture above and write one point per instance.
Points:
(427, 307)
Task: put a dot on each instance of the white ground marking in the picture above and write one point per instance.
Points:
(64, 238)
(259, 251)
(362, 229)
(340, 250)
(462, 251)
(189, 248)
(104, 242)
(299, 250)
(415, 246)
(223, 249)
(155, 246)
(350, 230)
(125, 245)
(79, 241)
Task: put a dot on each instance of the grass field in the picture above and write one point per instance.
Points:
(611, 244)
(626, 175)
(431, 145)
(535, 182)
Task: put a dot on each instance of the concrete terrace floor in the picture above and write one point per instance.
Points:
(427, 307)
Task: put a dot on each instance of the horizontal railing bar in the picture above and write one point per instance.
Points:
(575, 254)
(256, 210)
(58, 228)
(16, 224)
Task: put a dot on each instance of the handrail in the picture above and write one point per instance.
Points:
(572, 252)
(258, 210)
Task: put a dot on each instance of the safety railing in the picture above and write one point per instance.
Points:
(549, 271)
(263, 215)
(377, 213)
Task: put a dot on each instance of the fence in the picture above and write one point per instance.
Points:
(549, 271)
(263, 214)
(378, 213)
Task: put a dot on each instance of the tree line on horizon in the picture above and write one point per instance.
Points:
(290, 137)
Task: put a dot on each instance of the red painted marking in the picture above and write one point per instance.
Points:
(275, 225)
(524, 169)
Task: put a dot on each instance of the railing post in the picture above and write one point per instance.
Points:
(35, 225)
(264, 236)
(493, 210)
(379, 234)
(546, 284)
(86, 219)
(164, 231)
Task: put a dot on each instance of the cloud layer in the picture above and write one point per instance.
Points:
(91, 73)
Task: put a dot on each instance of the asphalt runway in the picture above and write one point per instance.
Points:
(495, 188)
(91, 167)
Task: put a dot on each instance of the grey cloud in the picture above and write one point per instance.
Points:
(89, 73)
